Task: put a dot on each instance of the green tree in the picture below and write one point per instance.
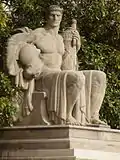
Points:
(8, 101)
(99, 27)
(5, 30)
(7, 90)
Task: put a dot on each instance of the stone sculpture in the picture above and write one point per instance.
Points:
(42, 60)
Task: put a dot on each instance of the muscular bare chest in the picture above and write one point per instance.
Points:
(50, 44)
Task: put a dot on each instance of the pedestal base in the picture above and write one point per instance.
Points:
(59, 143)
(60, 154)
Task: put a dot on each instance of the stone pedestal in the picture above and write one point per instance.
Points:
(59, 143)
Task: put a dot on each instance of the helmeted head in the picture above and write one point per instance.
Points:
(54, 15)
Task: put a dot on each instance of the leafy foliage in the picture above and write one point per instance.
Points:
(8, 105)
(99, 27)
(7, 111)
(104, 57)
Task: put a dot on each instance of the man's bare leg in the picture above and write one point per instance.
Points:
(97, 94)
(73, 95)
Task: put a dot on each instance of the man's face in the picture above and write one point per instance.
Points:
(54, 18)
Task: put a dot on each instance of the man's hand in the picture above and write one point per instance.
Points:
(76, 40)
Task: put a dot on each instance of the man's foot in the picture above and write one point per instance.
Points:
(72, 121)
(30, 108)
(27, 111)
(97, 121)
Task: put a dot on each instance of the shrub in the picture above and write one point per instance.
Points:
(8, 104)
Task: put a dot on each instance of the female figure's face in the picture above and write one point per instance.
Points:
(54, 18)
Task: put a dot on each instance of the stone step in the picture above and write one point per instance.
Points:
(59, 142)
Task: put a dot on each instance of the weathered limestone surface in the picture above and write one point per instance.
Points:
(58, 100)
(42, 60)
(59, 142)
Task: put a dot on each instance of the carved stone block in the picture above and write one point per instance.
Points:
(59, 143)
